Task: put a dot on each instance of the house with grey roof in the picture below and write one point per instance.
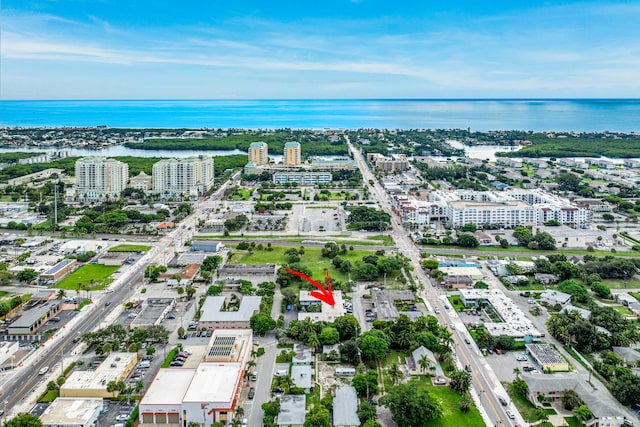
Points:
(551, 298)
(292, 410)
(629, 355)
(417, 355)
(584, 313)
(345, 408)
(301, 376)
(602, 405)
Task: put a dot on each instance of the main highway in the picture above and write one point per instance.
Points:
(484, 382)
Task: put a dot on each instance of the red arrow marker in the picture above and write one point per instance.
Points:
(325, 295)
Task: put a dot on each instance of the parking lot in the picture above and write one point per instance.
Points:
(504, 364)
(321, 219)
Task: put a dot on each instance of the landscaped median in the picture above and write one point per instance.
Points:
(129, 248)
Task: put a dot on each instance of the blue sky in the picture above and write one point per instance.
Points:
(219, 49)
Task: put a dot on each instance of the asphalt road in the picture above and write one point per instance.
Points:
(483, 378)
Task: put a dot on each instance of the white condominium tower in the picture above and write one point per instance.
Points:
(292, 155)
(189, 176)
(259, 153)
(98, 178)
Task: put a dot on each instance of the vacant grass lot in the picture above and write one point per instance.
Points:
(87, 274)
(130, 248)
(312, 259)
(449, 401)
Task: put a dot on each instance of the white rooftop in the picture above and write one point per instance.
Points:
(514, 324)
(109, 370)
(168, 387)
(329, 313)
(71, 411)
(211, 309)
(214, 382)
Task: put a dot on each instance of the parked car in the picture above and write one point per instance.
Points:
(498, 351)
(440, 381)
(252, 393)
(122, 417)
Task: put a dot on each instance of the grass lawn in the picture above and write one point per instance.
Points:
(573, 422)
(456, 302)
(385, 240)
(622, 284)
(452, 416)
(241, 194)
(97, 273)
(129, 248)
(525, 407)
(312, 259)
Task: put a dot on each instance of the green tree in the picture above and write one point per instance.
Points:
(374, 344)
(347, 326)
(582, 413)
(460, 381)
(190, 290)
(570, 399)
(262, 323)
(395, 373)
(410, 405)
(366, 383)
(27, 275)
(329, 336)
(601, 290)
(468, 241)
(318, 416)
(23, 420)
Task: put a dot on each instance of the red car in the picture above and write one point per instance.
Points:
(498, 351)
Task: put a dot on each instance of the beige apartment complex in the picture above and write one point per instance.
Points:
(259, 153)
(292, 154)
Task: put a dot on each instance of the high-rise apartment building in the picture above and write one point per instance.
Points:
(292, 154)
(259, 153)
(189, 176)
(98, 178)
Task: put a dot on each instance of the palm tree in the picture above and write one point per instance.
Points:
(239, 412)
(516, 371)
(425, 363)
(112, 388)
(61, 294)
(250, 364)
(395, 373)
(313, 341)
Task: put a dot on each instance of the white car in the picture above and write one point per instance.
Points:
(521, 358)
(440, 381)
(245, 422)
(122, 417)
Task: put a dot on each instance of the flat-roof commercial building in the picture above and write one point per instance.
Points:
(205, 394)
(328, 313)
(93, 383)
(345, 407)
(153, 312)
(259, 153)
(59, 270)
(69, 412)
(514, 323)
(33, 317)
(292, 410)
(302, 178)
(547, 357)
(213, 316)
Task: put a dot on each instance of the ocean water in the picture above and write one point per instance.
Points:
(580, 115)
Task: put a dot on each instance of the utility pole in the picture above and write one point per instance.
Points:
(55, 203)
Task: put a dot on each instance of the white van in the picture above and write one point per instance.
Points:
(43, 370)
(144, 364)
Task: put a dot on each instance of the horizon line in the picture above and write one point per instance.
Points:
(316, 99)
